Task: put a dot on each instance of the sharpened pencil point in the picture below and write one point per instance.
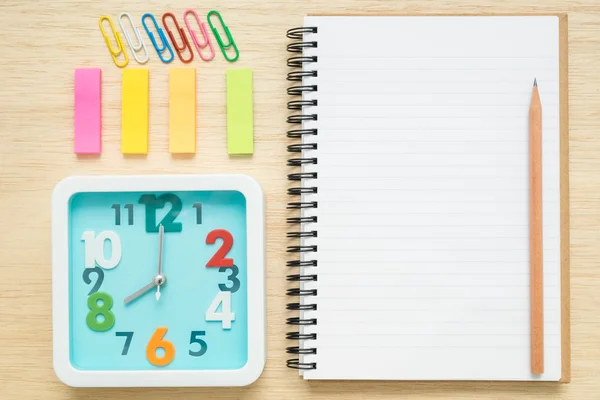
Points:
(534, 82)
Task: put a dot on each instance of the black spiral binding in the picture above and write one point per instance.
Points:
(298, 46)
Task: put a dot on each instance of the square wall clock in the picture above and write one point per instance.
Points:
(158, 280)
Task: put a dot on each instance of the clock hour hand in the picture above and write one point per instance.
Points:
(157, 281)
(140, 292)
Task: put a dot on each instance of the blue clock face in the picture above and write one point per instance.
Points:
(125, 314)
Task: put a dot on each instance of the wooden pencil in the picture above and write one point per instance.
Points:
(535, 233)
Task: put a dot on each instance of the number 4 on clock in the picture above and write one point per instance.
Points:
(222, 299)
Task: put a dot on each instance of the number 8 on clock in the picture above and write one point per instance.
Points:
(156, 274)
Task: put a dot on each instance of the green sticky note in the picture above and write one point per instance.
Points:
(240, 119)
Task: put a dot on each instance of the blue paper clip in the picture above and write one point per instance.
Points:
(161, 35)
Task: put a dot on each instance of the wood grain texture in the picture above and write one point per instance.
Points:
(42, 42)
(565, 233)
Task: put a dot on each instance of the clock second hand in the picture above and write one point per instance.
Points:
(161, 235)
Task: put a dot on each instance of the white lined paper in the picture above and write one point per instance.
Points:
(423, 257)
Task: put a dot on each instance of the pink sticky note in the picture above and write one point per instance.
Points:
(88, 110)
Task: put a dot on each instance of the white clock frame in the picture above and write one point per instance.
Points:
(255, 217)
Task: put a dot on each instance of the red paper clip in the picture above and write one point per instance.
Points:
(186, 43)
(199, 46)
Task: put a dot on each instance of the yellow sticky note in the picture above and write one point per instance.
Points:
(240, 119)
(134, 111)
(182, 110)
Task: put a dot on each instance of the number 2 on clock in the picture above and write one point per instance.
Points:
(219, 260)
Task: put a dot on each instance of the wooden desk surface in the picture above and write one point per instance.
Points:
(42, 42)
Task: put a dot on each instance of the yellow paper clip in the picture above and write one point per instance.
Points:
(120, 49)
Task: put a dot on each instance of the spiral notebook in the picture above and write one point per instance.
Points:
(408, 242)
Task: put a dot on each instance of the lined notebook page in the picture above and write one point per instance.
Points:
(423, 252)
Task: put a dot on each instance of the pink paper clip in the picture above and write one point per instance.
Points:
(88, 110)
(197, 43)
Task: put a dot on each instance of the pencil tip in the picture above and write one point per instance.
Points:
(534, 82)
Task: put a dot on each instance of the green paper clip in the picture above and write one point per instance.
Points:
(230, 40)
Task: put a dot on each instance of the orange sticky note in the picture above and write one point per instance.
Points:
(182, 110)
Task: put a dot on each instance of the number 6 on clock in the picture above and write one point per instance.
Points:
(225, 316)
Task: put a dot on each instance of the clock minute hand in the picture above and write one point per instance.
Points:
(140, 292)
(161, 235)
